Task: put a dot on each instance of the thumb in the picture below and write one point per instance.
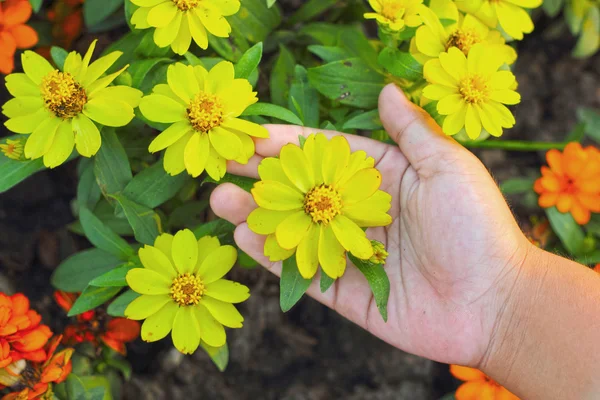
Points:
(419, 137)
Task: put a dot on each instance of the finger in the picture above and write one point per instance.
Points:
(280, 135)
(350, 295)
(232, 203)
(419, 137)
(250, 169)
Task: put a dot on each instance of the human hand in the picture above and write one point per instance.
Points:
(454, 246)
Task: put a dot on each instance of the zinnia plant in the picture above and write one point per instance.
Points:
(14, 33)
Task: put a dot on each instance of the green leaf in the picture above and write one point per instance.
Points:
(270, 3)
(310, 10)
(91, 298)
(254, 22)
(304, 98)
(368, 121)
(249, 61)
(292, 285)
(378, 281)
(106, 213)
(36, 5)
(88, 191)
(148, 49)
(59, 55)
(400, 64)
(142, 219)
(552, 7)
(449, 396)
(590, 259)
(130, 8)
(139, 70)
(594, 225)
(326, 282)
(350, 82)
(120, 364)
(75, 273)
(102, 237)
(591, 119)
(96, 11)
(154, 186)
(97, 387)
(273, 111)
(111, 165)
(187, 215)
(589, 38)
(329, 53)
(577, 134)
(301, 141)
(282, 76)
(118, 306)
(219, 228)
(218, 355)
(354, 40)
(114, 277)
(568, 231)
(240, 181)
(517, 185)
(75, 388)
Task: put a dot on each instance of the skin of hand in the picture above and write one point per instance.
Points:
(455, 249)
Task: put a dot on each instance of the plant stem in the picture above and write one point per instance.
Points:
(514, 145)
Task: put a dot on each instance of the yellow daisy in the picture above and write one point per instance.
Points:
(183, 291)
(510, 14)
(395, 14)
(471, 91)
(178, 21)
(12, 149)
(58, 108)
(204, 108)
(314, 202)
(433, 38)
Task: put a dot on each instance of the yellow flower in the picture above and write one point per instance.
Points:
(433, 38)
(380, 255)
(395, 14)
(510, 14)
(57, 108)
(314, 202)
(470, 91)
(183, 291)
(12, 149)
(204, 108)
(178, 21)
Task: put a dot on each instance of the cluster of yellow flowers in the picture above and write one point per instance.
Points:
(463, 46)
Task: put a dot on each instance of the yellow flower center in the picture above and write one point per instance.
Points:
(323, 203)
(187, 289)
(392, 10)
(64, 96)
(185, 5)
(474, 89)
(205, 112)
(463, 39)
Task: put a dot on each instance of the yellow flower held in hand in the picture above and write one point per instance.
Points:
(314, 202)
(183, 291)
(204, 108)
(509, 14)
(395, 14)
(433, 38)
(58, 108)
(178, 21)
(470, 91)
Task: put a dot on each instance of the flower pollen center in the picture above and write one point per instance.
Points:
(185, 5)
(474, 89)
(205, 112)
(323, 203)
(392, 10)
(62, 95)
(463, 40)
(187, 289)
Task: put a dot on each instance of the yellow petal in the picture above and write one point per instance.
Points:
(488, 121)
(206, 245)
(307, 253)
(216, 166)
(229, 7)
(165, 35)
(274, 251)
(361, 186)
(270, 169)
(39, 142)
(162, 14)
(336, 158)
(332, 255)
(201, 76)
(165, 90)
(174, 156)
(103, 82)
(217, 264)
(186, 330)
(62, 146)
(224, 313)
(435, 73)
(273, 195)
(213, 21)
(35, 66)
(147, 281)
(185, 251)
(455, 122)
(438, 92)
(314, 148)
(169, 136)
(264, 222)
(182, 81)
(125, 94)
(182, 41)
(147, 3)
(248, 148)
(73, 63)
(196, 153)
(228, 291)
(454, 63)
(358, 161)
(472, 123)
(236, 97)
(506, 96)
(139, 19)
(157, 261)
(211, 331)
(158, 325)
(109, 112)
(502, 80)
(514, 20)
(220, 76)
(87, 136)
(226, 143)
(246, 127)
(146, 305)
(197, 31)
(19, 84)
(160, 108)
(352, 237)
(164, 242)
(484, 61)
(293, 229)
(85, 63)
(28, 123)
(296, 167)
(22, 105)
(370, 212)
(99, 67)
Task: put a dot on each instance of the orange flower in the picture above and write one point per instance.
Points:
(67, 21)
(14, 34)
(478, 386)
(597, 268)
(97, 327)
(38, 379)
(572, 182)
(540, 232)
(21, 334)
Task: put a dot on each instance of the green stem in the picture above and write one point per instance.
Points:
(514, 145)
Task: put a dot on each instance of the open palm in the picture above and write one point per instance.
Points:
(454, 247)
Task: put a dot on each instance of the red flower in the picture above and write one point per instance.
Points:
(97, 327)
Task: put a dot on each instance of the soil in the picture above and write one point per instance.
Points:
(310, 353)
